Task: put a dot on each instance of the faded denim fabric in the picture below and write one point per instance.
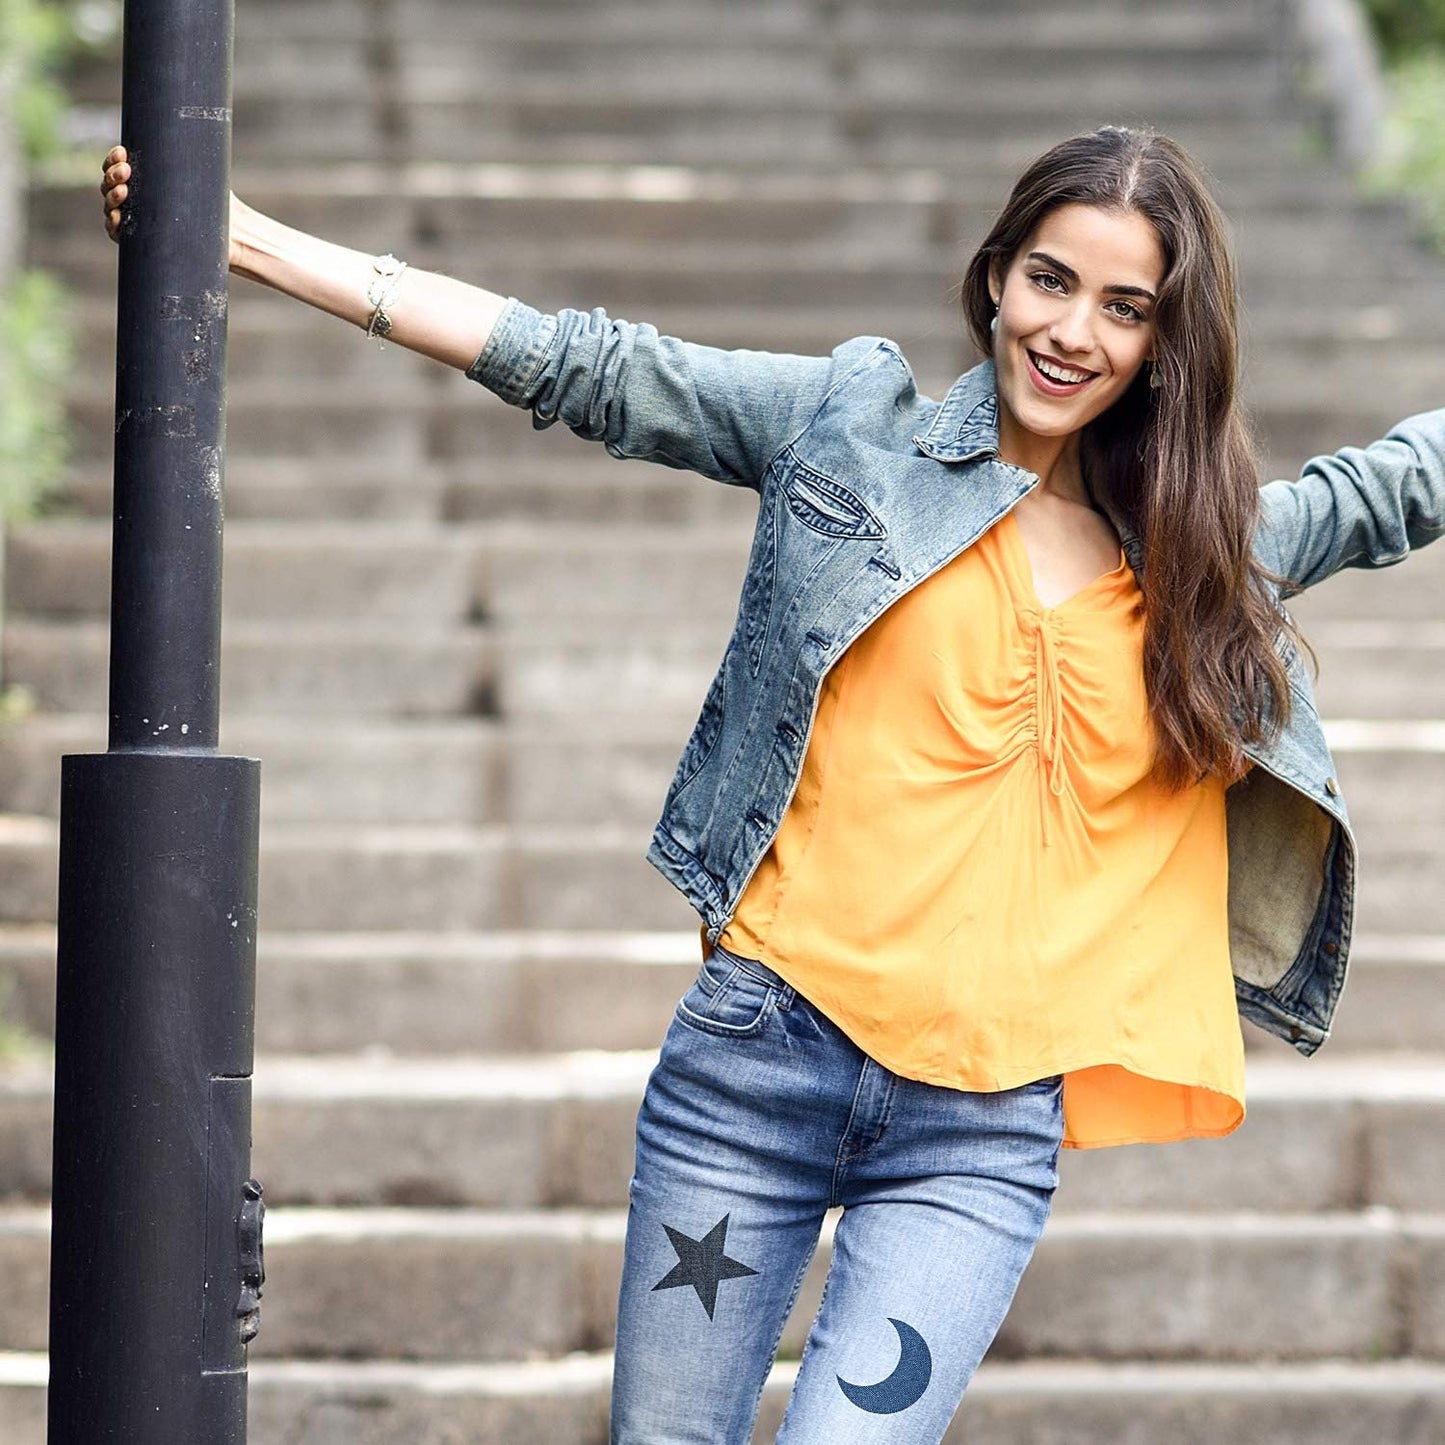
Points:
(760, 1115)
(865, 489)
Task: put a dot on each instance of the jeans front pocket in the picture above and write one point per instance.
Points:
(728, 998)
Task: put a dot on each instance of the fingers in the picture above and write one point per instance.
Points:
(114, 190)
(115, 167)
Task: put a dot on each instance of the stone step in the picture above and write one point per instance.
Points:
(414, 413)
(299, 427)
(1009, 1403)
(1380, 669)
(901, 210)
(324, 877)
(1411, 592)
(457, 771)
(750, 249)
(1383, 669)
(554, 480)
(795, 32)
(407, 770)
(668, 82)
(423, 994)
(1355, 322)
(380, 571)
(293, 666)
(369, 572)
(312, 417)
(697, 18)
(429, 575)
(564, 122)
(1371, 669)
(875, 66)
(620, 133)
(458, 879)
(384, 572)
(443, 771)
(1331, 1133)
(515, 1285)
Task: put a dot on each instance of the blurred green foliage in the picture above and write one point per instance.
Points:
(1405, 27)
(35, 341)
(35, 38)
(1411, 156)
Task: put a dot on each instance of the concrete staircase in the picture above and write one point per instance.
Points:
(465, 964)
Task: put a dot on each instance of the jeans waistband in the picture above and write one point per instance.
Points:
(754, 966)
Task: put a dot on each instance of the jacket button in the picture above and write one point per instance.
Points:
(1296, 1034)
(1332, 787)
(1332, 947)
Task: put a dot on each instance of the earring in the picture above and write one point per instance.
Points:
(993, 325)
(1156, 380)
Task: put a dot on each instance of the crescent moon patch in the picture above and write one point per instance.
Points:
(905, 1386)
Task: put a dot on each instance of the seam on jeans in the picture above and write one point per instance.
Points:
(782, 1325)
(843, 1157)
(807, 1345)
(885, 1111)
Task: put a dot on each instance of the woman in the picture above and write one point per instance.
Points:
(1008, 797)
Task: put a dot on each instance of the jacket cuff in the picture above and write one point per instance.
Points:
(515, 351)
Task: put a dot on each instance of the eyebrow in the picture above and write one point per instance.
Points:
(1069, 274)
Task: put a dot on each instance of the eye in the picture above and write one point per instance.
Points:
(1127, 311)
(1046, 281)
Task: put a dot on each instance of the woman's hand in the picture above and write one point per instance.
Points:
(115, 174)
(114, 188)
(431, 314)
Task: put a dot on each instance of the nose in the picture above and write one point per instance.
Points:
(1073, 329)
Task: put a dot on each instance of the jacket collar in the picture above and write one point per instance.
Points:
(965, 427)
(966, 424)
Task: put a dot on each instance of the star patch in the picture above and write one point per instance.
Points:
(702, 1263)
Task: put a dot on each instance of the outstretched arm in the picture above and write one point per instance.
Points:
(1359, 507)
(724, 414)
(437, 316)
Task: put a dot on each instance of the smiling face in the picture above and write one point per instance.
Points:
(1075, 321)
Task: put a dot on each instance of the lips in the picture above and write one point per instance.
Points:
(1064, 380)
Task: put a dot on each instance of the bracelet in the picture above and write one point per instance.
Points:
(383, 293)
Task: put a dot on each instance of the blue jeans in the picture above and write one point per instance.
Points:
(759, 1116)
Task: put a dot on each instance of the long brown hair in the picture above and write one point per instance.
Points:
(1176, 461)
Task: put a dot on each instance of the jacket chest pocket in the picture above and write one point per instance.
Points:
(828, 507)
(804, 527)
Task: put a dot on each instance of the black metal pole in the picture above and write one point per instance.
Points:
(155, 1249)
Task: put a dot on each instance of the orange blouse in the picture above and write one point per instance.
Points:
(979, 879)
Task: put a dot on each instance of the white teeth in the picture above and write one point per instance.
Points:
(1055, 372)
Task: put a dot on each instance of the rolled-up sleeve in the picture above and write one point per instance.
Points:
(644, 395)
(1359, 507)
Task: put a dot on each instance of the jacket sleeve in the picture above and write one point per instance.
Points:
(725, 414)
(1360, 507)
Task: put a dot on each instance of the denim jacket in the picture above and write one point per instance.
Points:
(865, 489)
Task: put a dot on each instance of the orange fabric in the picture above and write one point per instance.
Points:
(979, 880)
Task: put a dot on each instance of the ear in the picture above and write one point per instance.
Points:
(995, 282)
